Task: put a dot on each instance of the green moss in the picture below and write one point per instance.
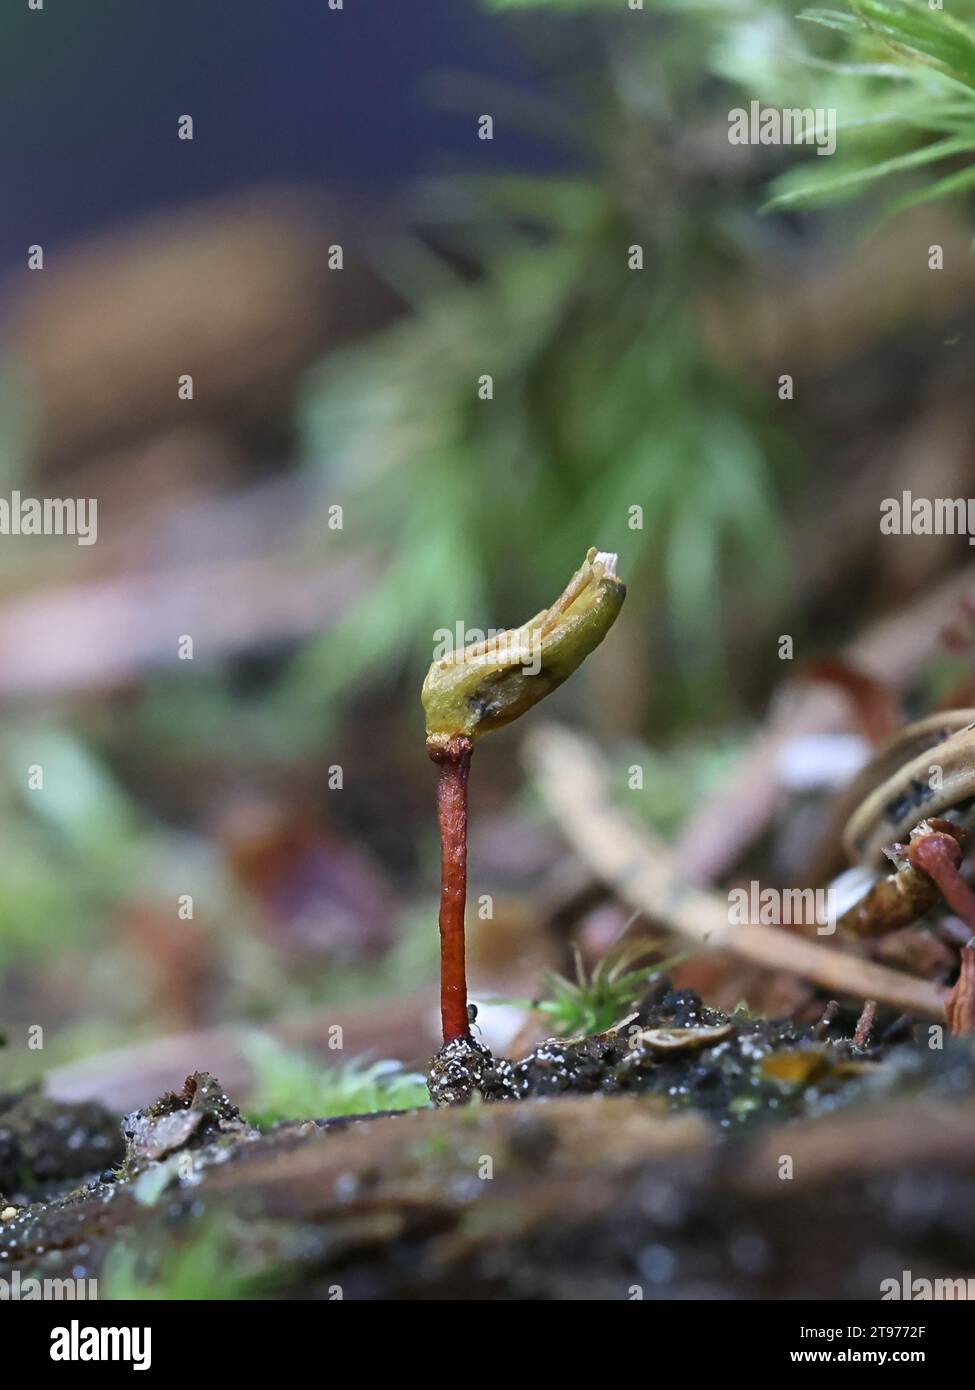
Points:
(595, 1000)
(199, 1269)
(292, 1086)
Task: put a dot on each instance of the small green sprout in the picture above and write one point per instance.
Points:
(594, 1001)
(483, 687)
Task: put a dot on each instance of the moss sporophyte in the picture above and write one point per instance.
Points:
(486, 686)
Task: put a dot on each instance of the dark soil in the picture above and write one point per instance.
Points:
(733, 1066)
(45, 1147)
(766, 1162)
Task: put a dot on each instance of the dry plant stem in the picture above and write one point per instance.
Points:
(827, 1020)
(454, 759)
(865, 1023)
(902, 897)
(895, 901)
(642, 871)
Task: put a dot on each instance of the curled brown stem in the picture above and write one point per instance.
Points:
(938, 855)
(902, 897)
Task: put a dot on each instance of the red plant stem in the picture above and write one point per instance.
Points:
(454, 758)
(960, 1004)
(938, 855)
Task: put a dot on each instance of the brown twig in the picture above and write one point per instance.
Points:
(861, 1034)
(828, 1017)
(454, 759)
(642, 871)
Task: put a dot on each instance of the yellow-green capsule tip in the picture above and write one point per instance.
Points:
(488, 684)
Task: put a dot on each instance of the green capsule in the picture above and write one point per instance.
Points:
(489, 684)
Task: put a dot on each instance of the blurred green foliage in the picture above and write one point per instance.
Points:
(906, 91)
(207, 1266)
(606, 395)
(65, 847)
(674, 781)
(291, 1086)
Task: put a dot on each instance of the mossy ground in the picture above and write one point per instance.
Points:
(619, 1165)
(732, 1066)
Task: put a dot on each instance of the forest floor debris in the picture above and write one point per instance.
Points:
(679, 1191)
